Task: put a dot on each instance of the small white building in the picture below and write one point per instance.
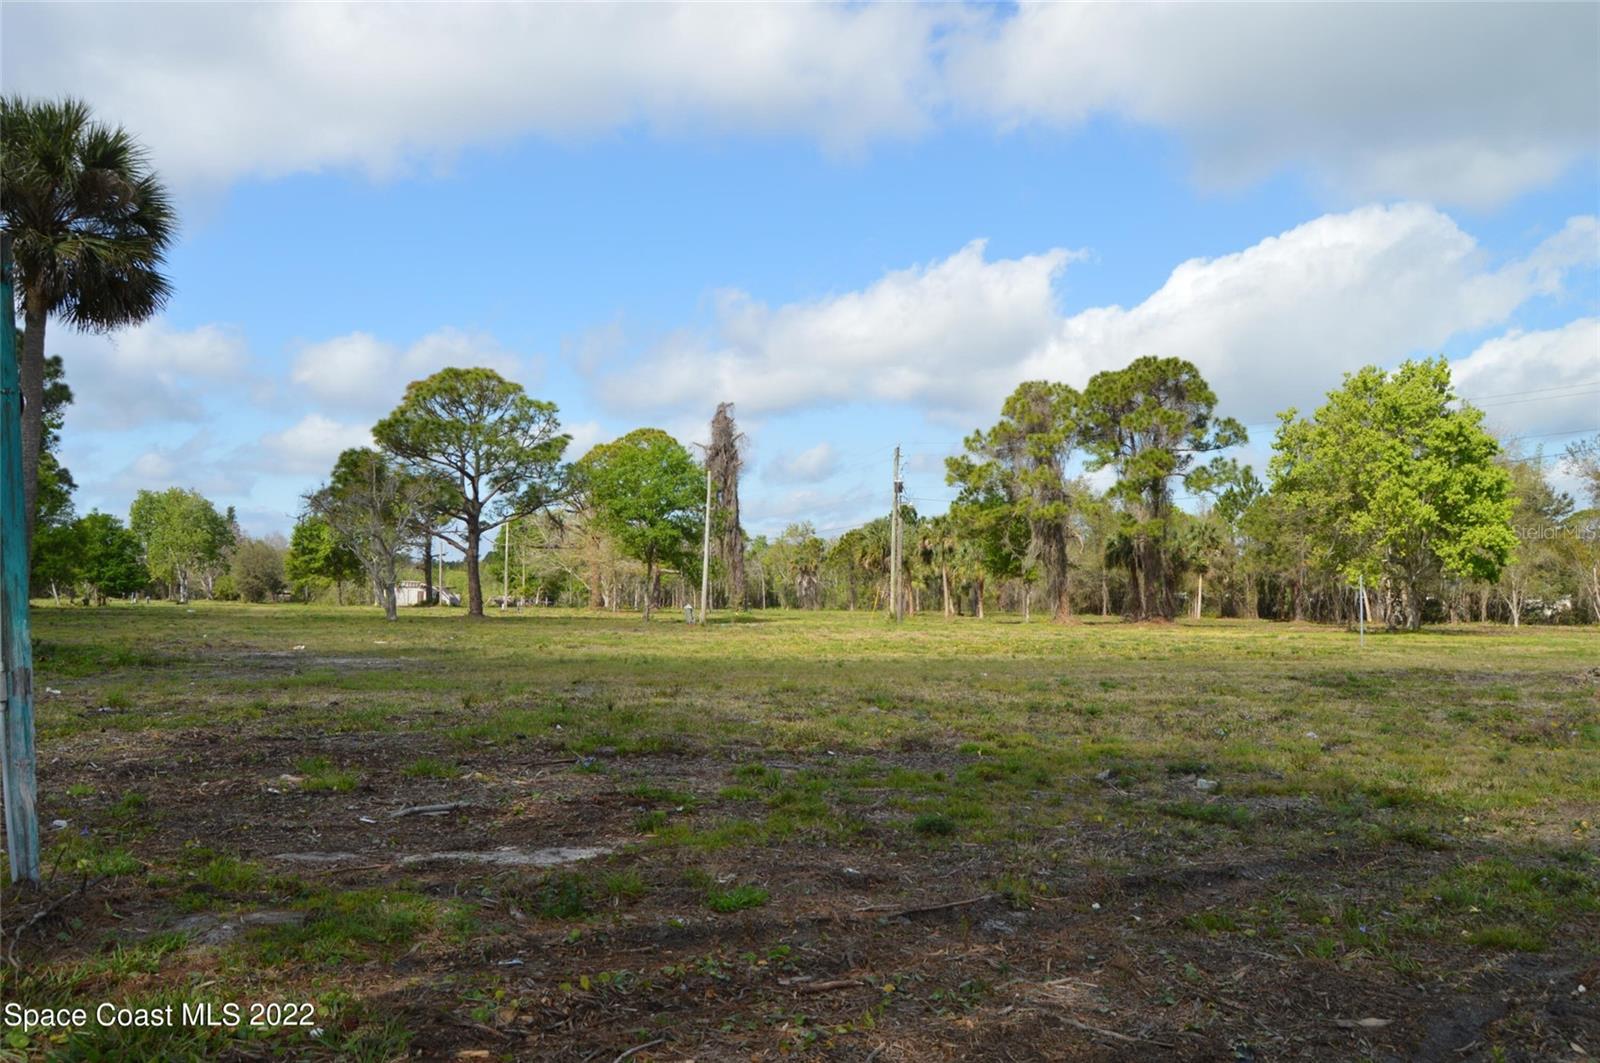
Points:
(415, 592)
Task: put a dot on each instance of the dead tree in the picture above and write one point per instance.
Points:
(723, 460)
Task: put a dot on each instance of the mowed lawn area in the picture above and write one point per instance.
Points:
(812, 835)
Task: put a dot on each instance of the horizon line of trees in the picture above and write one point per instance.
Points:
(1391, 484)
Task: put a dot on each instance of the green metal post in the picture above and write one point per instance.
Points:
(16, 737)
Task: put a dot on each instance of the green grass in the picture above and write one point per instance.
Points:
(430, 768)
(736, 898)
(1051, 760)
(319, 775)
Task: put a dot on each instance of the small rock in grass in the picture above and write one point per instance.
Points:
(1205, 786)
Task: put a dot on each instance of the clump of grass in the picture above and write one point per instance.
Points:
(736, 898)
(321, 776)
(933, 824)
(341, 927)
(431, 768)
(1219, 813)
(1498, 903)
(650, 822)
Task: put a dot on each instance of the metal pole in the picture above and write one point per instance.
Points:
(1361, 609)
(17, 759)
(705, 554)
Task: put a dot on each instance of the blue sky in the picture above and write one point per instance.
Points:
(863, 225)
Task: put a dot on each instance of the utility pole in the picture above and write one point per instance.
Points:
(17, 758)
(705, 553)
(505, 567)
(894, 542)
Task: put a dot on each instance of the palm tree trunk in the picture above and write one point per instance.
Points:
(31, 370)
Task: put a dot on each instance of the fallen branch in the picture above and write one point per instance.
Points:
(828, 987)
(1114, 1035)
(893, 913)
(431, 810)
(42, 913)
(639, 1048)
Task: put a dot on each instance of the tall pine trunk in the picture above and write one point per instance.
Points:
(474, 582)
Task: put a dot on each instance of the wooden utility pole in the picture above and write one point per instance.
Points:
(894, 543)
(705, 552)
(17, 760)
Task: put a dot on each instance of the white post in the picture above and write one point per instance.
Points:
(505, 567)
(1361, 609)
(705, 553)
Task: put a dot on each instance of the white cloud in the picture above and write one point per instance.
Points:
(1458, 103)
(1449, 102)
(1277, 324)
(1545, 381)
(149, 372)
(360, 372)
(585, 434)
(309, 446)
(1270, 326)
(220, 92)
(810, 466)
(193, 462)
(932, 333)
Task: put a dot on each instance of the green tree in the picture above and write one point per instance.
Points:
(647, 492)
(317, 557)
(1538, 518)
(110, 565)
(1023, 459)
(258, 570)
(90, 224)
(1399, 484)
(498, 450)
(181, 533)
(57, 558)
(375, 508)
(55, 485)
(1149, 422)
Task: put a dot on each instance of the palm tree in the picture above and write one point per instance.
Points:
(89, 223)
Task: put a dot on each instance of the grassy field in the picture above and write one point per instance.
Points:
(811, 835)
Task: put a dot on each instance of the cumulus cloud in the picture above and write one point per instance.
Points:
(360, 372)
(1271, 326)
(194, 462)
(1277, 324)
(1545, 381)
(931, 333)
(1459, 103)
(1453, 103)
(220, 92)
(149, 372)
(309, 446)
(809, 466)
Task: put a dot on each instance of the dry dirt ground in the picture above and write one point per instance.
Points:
(571, 836)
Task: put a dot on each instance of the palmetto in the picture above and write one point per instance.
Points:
(89, 222)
